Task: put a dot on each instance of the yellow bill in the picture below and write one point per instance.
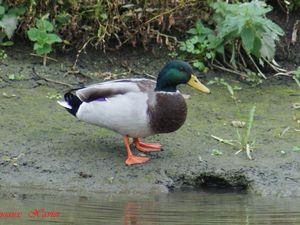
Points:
(195, 83)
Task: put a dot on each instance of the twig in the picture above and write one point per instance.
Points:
(149, 75)
(288, 74)
(274, 66)
(50, 80)
(226, 69)
(229, 142)
(284, 131)
(259, 71)
(226, 63)
(242, 58)
(145, 74)
(79, 52)
(42, 56)
(295, 31)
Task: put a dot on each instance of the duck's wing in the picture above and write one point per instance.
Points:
(111, 88)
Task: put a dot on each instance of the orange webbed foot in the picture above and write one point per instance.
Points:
(146, 147)
(132, 159)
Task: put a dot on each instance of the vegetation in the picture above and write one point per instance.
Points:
(111, 24)
(242, 141)
(289, 5)
(43, 37)
(242, 37)
(8, 22)
(296, 76)
(234, 36)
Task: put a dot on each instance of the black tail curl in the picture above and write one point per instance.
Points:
(73, 101)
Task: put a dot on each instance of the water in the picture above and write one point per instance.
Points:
(164, 209)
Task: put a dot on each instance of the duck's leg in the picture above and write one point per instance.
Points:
(146, 147)
(132, 159)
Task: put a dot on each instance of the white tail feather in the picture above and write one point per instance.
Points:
(64, 104)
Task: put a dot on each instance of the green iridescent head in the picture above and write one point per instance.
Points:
(178, 72)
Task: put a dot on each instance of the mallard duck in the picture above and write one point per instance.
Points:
(136, 108)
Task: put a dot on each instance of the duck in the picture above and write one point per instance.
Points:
(136, 107)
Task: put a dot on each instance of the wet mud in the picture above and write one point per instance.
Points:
(44, 147)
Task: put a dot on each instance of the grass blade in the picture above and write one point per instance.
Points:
(250, 124)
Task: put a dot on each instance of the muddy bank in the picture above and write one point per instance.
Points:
(42, 146)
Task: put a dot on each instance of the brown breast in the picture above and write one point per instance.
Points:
(167, 112)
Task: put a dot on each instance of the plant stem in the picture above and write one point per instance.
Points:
(229, 142)
(45, 60)
(250, 124)
(256, 66)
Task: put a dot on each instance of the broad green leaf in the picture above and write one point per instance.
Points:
(42, 37)
(220, 49)
(213, 41)
(9, 24)
(256, 47)
(53, 38)
(267, 49)
(2, 10)
(192, 31)
(32, 34)
(248, 36)
(18, 11)
(199, 65)
(274, 27)
(199, 27)
(37, 46)
(43, 24)
(42, 49)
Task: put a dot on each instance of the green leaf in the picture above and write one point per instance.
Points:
(192, 31)
(32, 34)
(248, 36)
(274, 27)
(2, 10)
(12, 77)
(37, 46)
(45, 25)
(256, 47)
(216, 152)
(104, 16)
(220, 49)
(18, 11)
(7, 43)
(42, 37)
(199, 65)
(42, 49)
(296, 149)
(267, 49)
(9, 24)
(53, 38)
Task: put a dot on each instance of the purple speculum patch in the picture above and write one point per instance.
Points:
(100, 99)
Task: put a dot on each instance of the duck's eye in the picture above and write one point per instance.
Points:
(181, 69)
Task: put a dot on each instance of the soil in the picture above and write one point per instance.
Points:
(44, 147)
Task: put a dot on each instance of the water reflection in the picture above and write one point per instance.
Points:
(165, 209)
